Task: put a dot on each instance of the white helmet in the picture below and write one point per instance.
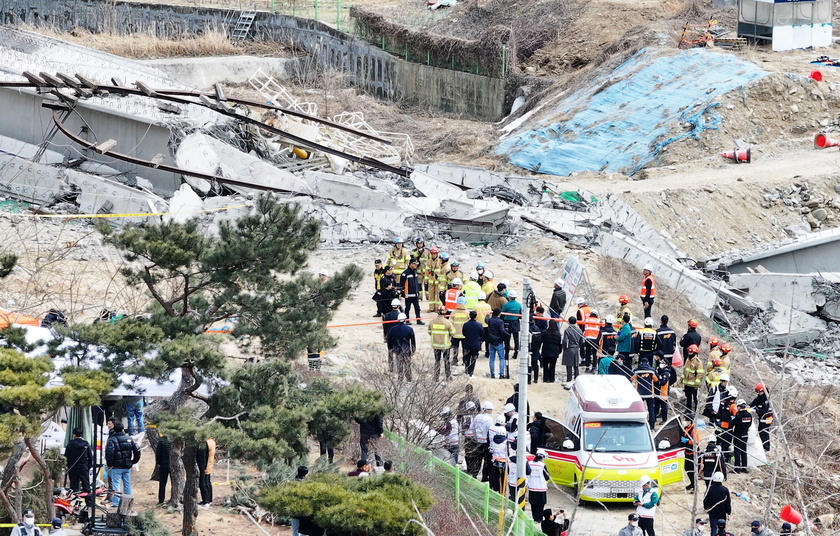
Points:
(717, 477)
(445, 410)
(395, 302)
(648, 267)
(559, 283)
(724, 377)
(644, 480)
(323, 272)
(505, 282)
(457, 281)
(487, 405)
(648, 321)
(610, 319)
(741, 402)
(469, 406)
(401, 317)
(580, 301)
(474, 275)
(500, 419)
(509, 408)
(593, 312)
(733, 392)
(541, 454)
(512, 294)
(488, 274)
(482, 296)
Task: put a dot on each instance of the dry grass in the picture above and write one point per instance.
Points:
(211, 42)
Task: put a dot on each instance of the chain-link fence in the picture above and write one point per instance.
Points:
(470, 495)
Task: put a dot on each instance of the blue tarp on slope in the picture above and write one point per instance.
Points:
(623, 126)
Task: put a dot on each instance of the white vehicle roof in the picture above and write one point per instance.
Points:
(606, 394)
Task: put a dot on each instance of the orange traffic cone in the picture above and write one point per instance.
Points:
(738, 155)
(821, 141)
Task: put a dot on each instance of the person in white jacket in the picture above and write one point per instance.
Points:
(645, 502)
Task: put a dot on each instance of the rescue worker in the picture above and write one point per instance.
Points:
(401, 340)
(487, 283)
(712, 462)
(550, 348)
(589, 345)
(720, 530)
(741, 424)
(443, 281)
(481, 425)
(583, 310)
(454, 272)
(498, 453)
(470, 445)
(480, 270)
(666, 342)
(483, 312)
(537, 481)
(387, 289)
(764, 412)
(450, 297)
(692, 377)
(534, 349)
(451, 433)
(389, 320)
(410, 282)
(645, 502)
(498, 298)
(378, 272)
(643, 379)
(459, 317)
(432, 283)
(647, 340)
(713, 376)
(398, 257)
(787, 529)
(442, 330)
(623, 308)
(726, 415)
(422, 255)
(717, 502)
(660, 392)
(511, 476)
(471, 291)
(698, 530)
(690, 337)
(632, 527)
(606, 340)
(511, 314)
(725, 359)
(714, 352)
(648, 290)
(511, 421)
(689, 441)
(557, 305)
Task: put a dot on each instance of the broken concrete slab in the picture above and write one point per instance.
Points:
(34, 183)
(183, 205)
(204, 72)
(103, 196)
(613, 213)
(433, 187)
(346, 190)
(345, 224)
(806, 255)
(562, 222)
(796, 290)
(205, 154)
(791, 326)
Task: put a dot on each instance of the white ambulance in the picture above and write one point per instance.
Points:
(602, 443)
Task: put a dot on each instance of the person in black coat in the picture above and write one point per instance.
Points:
(79, 461)
(370, 430)
(551, 344)
(717, 501)
(162, 455)
(536, 357)
(121, 453)
(473, 337)
(558, 300)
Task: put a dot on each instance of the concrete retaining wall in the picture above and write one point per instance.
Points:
(367, 67)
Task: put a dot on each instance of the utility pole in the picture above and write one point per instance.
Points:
(522, 418)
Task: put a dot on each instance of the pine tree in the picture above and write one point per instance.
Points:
(250, 272)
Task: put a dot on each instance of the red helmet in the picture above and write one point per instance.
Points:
(714, 341)
(717, 362)
(624, 299)
(760, 387)
(693, 349)
(692, 323)
(434, 249)
(725, 348)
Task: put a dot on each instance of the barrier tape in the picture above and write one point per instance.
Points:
(130, 215)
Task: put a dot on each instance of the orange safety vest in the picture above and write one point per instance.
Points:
(451, 298)
(592, 327)
(643, 291)
(583, 313)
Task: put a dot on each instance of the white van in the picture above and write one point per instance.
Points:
(602, 443)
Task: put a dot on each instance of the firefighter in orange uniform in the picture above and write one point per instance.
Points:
(648, 290)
